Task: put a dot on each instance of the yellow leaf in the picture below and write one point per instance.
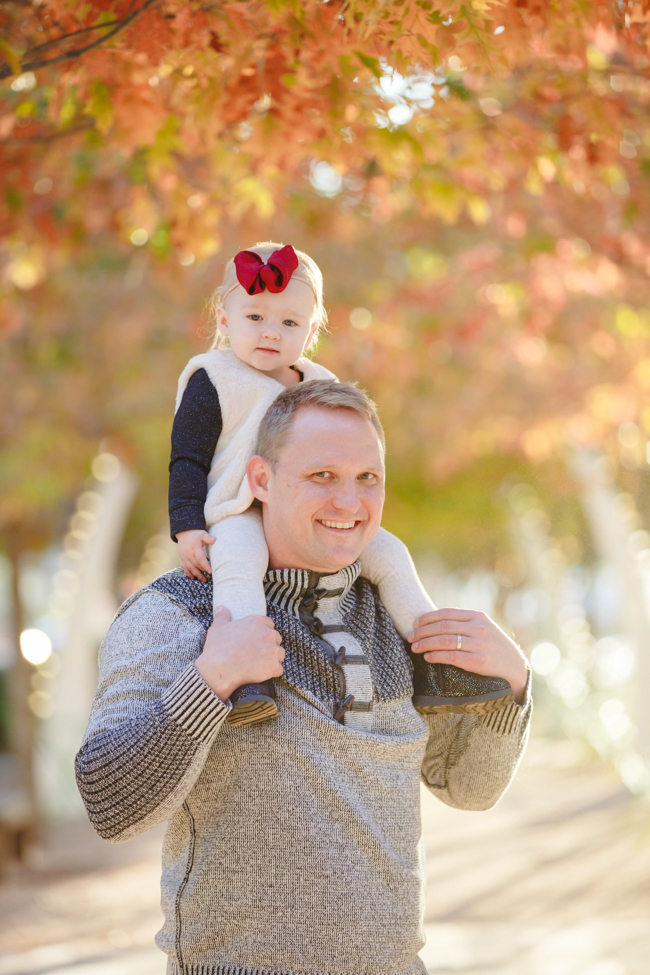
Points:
(627, 321)
(250, 194)
(479, 210)
(11, 57)
(596, 59)
(533, 183)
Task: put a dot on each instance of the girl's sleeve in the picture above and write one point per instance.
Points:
(196, 431)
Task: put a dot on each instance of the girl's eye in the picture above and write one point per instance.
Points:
(255, 318)
(289, 321)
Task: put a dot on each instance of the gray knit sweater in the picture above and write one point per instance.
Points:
(293, 846)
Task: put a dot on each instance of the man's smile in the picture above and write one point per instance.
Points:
(338, 525)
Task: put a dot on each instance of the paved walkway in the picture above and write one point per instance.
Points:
(554, 881)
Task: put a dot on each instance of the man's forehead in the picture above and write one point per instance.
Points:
(325, 437)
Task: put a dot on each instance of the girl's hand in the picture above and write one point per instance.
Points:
(190, 551)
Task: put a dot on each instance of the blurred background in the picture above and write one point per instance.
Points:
(473, 181)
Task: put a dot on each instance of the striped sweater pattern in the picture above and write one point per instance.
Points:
(292, 846)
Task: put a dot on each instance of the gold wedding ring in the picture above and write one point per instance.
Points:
(459, 642)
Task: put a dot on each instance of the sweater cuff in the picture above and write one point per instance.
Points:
(187, 517)
(512, 719)
(194, 706)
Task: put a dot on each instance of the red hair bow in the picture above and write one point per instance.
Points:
(255, 276)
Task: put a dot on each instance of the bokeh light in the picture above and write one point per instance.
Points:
(35, 646)
(544, 658)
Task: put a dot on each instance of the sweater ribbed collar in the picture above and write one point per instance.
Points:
(286, 587)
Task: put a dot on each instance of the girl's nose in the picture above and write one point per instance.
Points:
(271, 331)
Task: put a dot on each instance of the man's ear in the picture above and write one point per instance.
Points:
(222, 320)
(258, 471)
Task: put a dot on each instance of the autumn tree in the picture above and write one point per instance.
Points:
(472, 177)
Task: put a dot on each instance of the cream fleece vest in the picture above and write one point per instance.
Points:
(245, 394)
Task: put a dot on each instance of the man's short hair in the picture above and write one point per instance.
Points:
(323, 393)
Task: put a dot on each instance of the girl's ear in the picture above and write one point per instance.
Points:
(222, 320)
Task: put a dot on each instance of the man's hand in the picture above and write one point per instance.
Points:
(245, 651)
(486, 649)
(190, 552)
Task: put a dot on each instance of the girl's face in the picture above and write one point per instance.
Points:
(269, 331)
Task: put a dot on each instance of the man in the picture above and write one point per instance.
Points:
(292, 845)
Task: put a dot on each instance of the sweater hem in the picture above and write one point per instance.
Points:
(417, 968)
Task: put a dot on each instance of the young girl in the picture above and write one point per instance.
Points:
(268, 311)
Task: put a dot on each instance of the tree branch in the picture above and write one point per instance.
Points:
(6, 72)
(40, 48)
(49, 137)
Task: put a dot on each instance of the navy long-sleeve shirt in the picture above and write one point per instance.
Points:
(196, 430)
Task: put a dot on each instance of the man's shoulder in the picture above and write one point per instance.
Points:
(189, 597)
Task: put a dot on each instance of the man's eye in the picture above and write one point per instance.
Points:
(367, 476)
(322, 474)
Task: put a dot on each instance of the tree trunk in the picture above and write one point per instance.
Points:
(21, 719)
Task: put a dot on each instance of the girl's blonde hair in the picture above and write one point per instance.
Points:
(307, 271)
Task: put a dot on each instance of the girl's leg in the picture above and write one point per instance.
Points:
(387, 562)
(239, 559)
(438, 688)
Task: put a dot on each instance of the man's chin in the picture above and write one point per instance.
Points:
(335, 556)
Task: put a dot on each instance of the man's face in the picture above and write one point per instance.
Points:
(322, 504)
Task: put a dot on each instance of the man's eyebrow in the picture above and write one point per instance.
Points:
(332, 466)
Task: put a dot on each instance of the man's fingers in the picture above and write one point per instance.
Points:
(447, 642)
(449, 631)
(221, 615)
(452, 615)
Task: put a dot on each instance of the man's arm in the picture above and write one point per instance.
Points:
(159, 706)
(152, 721)
(470, 760)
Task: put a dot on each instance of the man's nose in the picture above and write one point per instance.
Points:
(345, 497)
